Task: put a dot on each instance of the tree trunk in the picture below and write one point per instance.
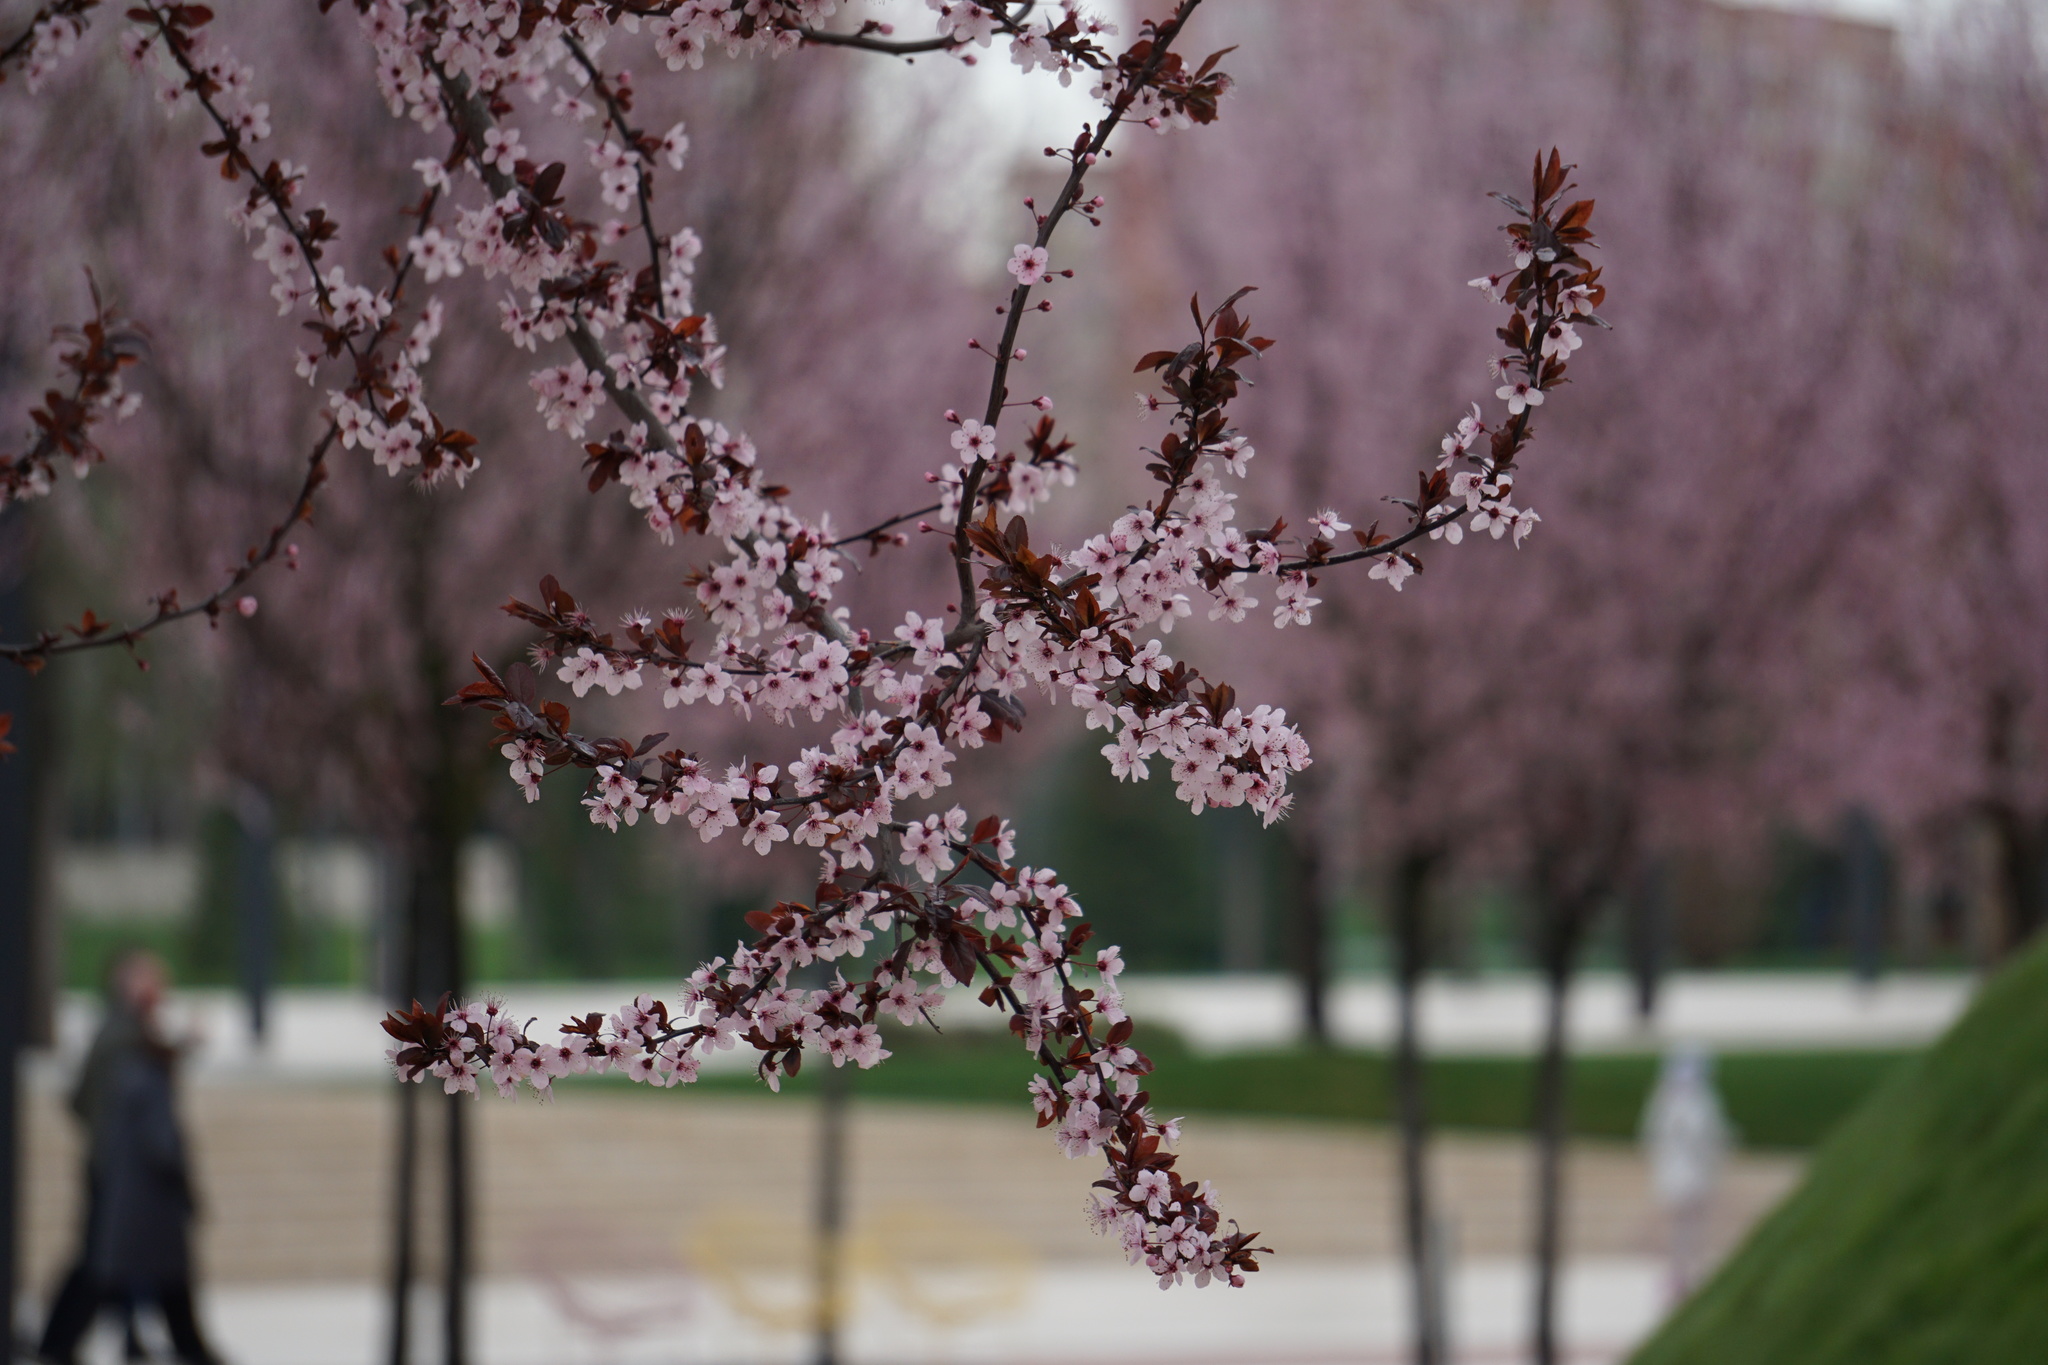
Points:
(1648, 934)
(435, 870)
(1311, 939)
(1865, 891)
(1241, 933)
(431, 968)
(443, 771)
(404, 1224)
(1412, 877)
(255, 882)
(829, 1287)
(2022, 834)
(1559, 944)
(455, 1266)
(2022, 875)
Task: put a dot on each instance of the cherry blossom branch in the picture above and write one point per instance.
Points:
(178, 26)
(1551, 289)
(906, 702)
(93, 633)
(365, 325)
(1381, 547)
(95, 353)
(874, 535)
(786, 567)
(1149, 62)
(50, 35)
(938, 893)
(472, 116)
(381, 405)
(866, 42)
(638, 143)
(1067, 42)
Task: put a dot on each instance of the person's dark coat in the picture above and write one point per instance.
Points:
(138, 1226)
(139, 1239)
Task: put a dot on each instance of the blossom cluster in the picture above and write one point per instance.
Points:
(906, 700)
(50, 36)
(95, 354)
(1063, 41)
(1551, 290)
(381, 406)
(938, 928)
(1085, 626)
(937, 894)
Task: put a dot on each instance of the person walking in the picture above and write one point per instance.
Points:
(135, 1248)
(1686, 1136)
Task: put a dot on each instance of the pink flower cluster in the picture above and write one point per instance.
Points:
(381, 407)
(95, 354)
(51, 36)
(908, 700)
(937, 894)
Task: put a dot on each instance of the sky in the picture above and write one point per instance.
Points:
(1012, 115)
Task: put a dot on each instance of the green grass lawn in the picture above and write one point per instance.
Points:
(1776, 1099)
(1921, 1232)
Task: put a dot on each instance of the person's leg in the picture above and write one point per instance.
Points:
(131, 1340)
(175, 1301)
(71, 1316)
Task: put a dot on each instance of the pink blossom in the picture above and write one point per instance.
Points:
(1520, 394)
(1029, 264)
(975, 440)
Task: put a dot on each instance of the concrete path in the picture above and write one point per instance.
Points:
(636, 1226)
(1305, 1314)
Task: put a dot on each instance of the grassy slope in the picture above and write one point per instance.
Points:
(1921, 1232)
(1775, 1099)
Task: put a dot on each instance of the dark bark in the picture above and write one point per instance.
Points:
(2021, 833)
(2022, 842)
(829, 1288)
(1866, 892)
(1583, 836)
(255, 906)
(404, 1224)
(1648, 936)
(1309, 948)
(444, 824)
(1564, 922)
(443, 773)
(430, 967)
(1409, 904)
(456, 1268)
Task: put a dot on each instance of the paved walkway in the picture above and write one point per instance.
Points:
(689, 1209)
(1307, 1314)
